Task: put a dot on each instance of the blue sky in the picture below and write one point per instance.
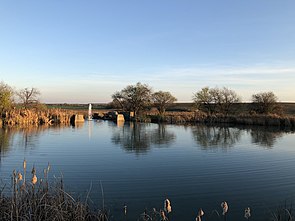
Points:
(83, 51)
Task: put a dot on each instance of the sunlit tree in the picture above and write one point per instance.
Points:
(216, 100)
(6, 97)
(134, 97)
(29, 97)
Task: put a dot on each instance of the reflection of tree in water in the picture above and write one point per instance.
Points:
(5, 137)
(21, 137)
(265, 137)
(138, 138)
(162, 136)
(29, 136)
(211, 137)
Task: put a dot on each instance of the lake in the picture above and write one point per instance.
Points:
(141, 165)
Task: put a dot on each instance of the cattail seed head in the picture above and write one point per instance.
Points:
(48, 167)
(247, 213)
(162, 213)
(167, 206)
(25, 164)
(125, 209)
(34, 179)
(201, 212)
(224, 207)
(19, 176)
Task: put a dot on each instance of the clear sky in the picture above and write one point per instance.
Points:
(83, 51)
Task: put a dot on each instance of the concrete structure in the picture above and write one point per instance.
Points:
(77, 118)
(120, 117)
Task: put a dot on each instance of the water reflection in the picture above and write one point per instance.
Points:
(138, 138)
(225, 137)
(212, 137)
(26, 138)
(5, 138)
(29, 136)
(265, 137)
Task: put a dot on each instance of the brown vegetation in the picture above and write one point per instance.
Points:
(26, 117)
(32, 198)
(273, 120)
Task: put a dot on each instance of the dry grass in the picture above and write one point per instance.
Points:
(28, 117)
(33, 199)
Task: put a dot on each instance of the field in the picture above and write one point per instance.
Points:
(288, 108)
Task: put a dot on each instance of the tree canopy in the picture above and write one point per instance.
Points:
(265, 103)
(6, 97)
(212, 100)
(162, 99)
(134, 97)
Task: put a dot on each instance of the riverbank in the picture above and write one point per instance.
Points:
(26, 117)
(271, 120)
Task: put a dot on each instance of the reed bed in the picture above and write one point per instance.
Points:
(32, 198)
(27, 117)
(273, 120)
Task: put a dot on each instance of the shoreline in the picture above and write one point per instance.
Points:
(24, 118)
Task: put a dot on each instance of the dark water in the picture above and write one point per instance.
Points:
(141, 164)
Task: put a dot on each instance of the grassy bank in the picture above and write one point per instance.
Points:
(28, 117)
(179, 113)
(271, 120)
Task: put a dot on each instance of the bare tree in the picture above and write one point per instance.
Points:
(118, 100)
(265, 103)
(213, 100)
(228, 98)
(204, 100)
(29, 97)
(162, 99)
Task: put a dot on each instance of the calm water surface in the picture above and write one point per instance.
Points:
(141, 164)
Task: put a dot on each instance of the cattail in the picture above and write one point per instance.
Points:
(200, 214)
(25, 164)
(163, 216)
(247, 213)
(224, 207)
(34, 179)
(33, 170)
(14, 174)
(19, 176)
(48, 167)
(125, 209)
(167, 206)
